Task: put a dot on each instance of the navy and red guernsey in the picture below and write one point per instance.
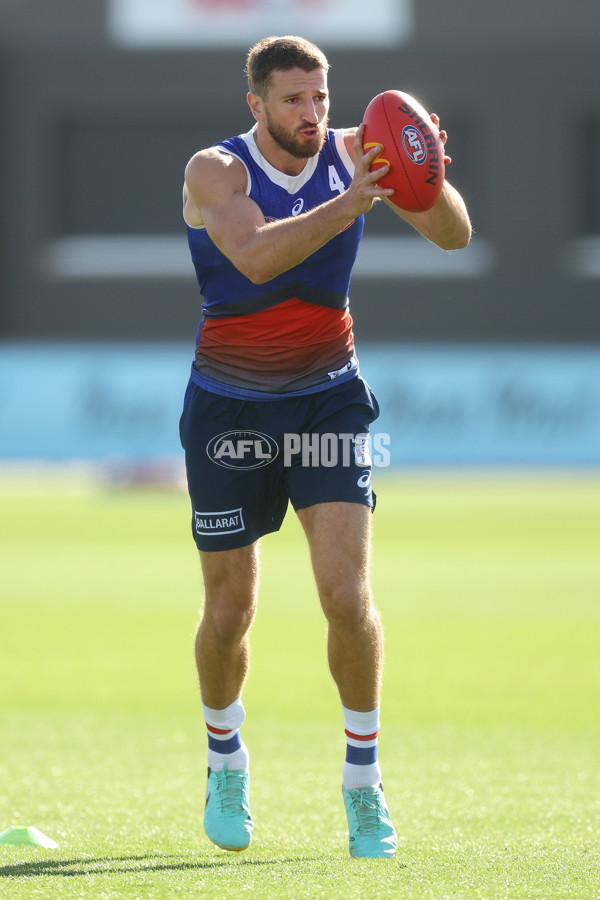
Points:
(292, 335)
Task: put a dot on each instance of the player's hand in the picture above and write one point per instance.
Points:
(443, 135)
(364, 188)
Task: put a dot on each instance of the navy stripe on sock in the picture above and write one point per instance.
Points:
(361, 756)
(229, 746)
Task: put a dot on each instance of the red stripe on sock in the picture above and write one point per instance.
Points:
(214, 730)
(361, 737)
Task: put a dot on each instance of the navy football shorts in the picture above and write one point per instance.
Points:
(246, 459)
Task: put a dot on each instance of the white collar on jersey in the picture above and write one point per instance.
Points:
(290, 183)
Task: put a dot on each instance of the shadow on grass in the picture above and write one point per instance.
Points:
(120, 865)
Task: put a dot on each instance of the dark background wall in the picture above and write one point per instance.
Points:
(95, 138)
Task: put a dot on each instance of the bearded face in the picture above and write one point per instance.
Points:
(301, 142)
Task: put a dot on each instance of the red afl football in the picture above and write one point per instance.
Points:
(411, 146)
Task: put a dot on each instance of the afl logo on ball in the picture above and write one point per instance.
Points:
(414, 144)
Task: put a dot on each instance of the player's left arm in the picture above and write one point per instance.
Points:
(447, 223)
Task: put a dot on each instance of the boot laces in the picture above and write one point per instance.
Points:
(230, 793)
(368, 811)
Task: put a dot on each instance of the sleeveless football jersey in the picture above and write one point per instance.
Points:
(292, 334)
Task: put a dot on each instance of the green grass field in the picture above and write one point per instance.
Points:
(489, 590)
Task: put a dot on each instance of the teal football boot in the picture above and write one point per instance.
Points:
(227, 819)
(372, 834)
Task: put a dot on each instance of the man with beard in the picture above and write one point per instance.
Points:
(274, 219)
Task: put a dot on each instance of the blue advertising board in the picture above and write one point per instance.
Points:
(440, 405)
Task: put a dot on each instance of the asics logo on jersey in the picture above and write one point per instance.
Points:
(297, 207)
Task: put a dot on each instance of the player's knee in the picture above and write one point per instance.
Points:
(347, 605)
(228, 620)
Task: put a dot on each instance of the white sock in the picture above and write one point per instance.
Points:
(225, 744)
(361, 767)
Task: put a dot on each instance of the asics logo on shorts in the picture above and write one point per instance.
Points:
(365, 479)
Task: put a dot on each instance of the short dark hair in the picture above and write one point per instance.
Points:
(287, 52)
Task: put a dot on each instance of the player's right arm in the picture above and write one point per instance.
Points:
(215, 196)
